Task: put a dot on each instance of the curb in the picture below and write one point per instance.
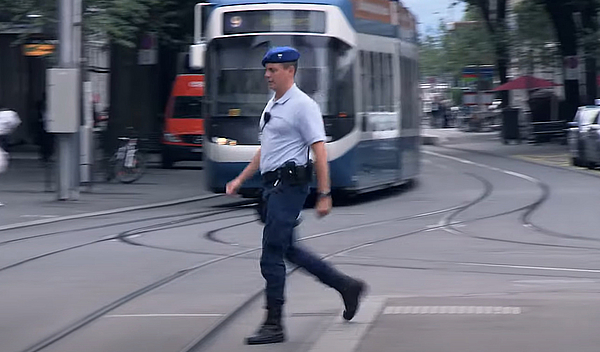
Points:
(21, 225)
(347, 336)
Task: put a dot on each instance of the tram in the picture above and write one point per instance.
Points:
(359, 62)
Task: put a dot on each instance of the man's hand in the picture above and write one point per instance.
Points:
(323, 206)
(233, 186)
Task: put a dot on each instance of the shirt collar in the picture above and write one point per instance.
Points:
(286, 96)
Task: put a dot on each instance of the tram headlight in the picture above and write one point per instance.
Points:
(224, 141)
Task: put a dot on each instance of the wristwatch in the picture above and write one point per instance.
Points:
(321, 194)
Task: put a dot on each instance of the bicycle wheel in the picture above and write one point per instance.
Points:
(131, 174)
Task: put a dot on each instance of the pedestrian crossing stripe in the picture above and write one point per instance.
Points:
(473, 310)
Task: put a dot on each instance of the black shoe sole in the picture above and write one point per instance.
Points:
(279, 338)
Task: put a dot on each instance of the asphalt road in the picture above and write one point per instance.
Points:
(509, 247)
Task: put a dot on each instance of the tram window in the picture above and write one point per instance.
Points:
(406, 93)
(411, 90)
(409, 78)
(388, 80)
(368, 88)
(392, 83)
(373, 65)
(374, 82)
(344, 79)
(367, 83)
(384, 83)
(416, 114)
(363, 81)
(378, 103)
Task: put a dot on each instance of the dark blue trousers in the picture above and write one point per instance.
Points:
(283, 204)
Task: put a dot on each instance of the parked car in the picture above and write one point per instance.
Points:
(581, 136)
(592, 143)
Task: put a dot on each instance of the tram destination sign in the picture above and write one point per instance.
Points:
(261, 21)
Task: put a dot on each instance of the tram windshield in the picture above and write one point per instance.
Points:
(236, 75)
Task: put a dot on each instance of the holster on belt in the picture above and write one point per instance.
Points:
(290, 173)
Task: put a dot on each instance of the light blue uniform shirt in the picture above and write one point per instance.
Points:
(296, 123)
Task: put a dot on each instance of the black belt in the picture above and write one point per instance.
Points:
(290, 173)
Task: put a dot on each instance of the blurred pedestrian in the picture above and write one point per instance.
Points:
(46, 139)
(9, 121)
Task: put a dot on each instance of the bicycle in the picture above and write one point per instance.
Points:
(128, 163)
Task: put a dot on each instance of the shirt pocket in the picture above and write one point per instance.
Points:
(279, 125)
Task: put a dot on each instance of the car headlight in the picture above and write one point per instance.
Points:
(224, 141)
(171, 138)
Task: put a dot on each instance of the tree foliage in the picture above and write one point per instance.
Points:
(534, 39)
(121, 20)
(452, 49)
(525, 36)
(124, 20)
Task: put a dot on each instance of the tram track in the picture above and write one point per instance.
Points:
(86, 320)
(121, 223)
(525, 218)
(198, 343)
(222, 322)
(124, 237)
(37, 223)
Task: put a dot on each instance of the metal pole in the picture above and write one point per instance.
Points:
(65, 61)
(69, 34)
(76, 58)
(66, 33)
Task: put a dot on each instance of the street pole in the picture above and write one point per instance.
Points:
(68, 154)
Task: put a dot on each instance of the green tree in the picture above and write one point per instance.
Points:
(138, 93)
(121, 20)
(531, 42)
(576, 26)
(494, 14)
(431, 56)
(466, 43)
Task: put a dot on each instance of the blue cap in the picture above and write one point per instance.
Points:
(280, 54)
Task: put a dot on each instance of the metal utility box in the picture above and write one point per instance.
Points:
(63, 100)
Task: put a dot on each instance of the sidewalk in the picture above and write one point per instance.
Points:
(552, 153)
(496, 323)
(22, 190)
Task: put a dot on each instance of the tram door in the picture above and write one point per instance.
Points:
(378, 150)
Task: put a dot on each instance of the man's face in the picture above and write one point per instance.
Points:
(278, 76)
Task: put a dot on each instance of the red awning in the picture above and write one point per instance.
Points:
(526, 82)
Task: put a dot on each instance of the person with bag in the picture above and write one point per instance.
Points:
(9, 121)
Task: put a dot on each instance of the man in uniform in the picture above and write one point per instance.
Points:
(291, 123)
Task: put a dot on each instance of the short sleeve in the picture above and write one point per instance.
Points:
(310, 123)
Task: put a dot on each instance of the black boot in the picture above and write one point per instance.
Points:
(271, 331)
(351, 292)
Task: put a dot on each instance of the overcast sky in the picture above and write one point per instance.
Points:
(425, 10)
